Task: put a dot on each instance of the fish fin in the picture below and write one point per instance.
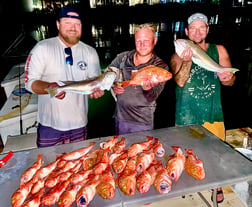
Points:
(125, 83)
(52, 91)
(232, 70)
(113, 94)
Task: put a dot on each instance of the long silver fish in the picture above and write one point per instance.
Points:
(103, 81)
(200, 57)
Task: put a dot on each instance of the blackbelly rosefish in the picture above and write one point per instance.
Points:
(150, 73)
(200, 57)
(103, 81)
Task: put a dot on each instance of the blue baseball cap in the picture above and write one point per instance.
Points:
(64, 12)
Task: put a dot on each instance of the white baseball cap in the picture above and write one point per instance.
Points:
(197, 17)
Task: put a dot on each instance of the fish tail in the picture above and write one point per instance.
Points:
(125, 83)
(233, 70)
(52, 91)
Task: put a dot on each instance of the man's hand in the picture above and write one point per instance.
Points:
(225, 76)
(117, 88)
(61, 94)
(97, 93)
(147, 85)
(186, 55)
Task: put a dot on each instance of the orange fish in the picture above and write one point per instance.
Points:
(103, 164)
(44, 171)
(80, 176)
(86, 194)
(110, 143)
(162, 182)
(144, 159)
(119, 146)
(76, 154)
(136, 148)
(131, 163)
(147, 177)
(20, 195)
(37, 186)
(158, 148)
(30, 172)
(150, 73)
(120, 162)
(106, 188)
(52, 195)
(126, 182)
(175, 163)
(194, 166)
(92, 158)
(67, 198)
(34, 200)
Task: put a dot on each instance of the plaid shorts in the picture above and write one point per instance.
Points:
(47, 136)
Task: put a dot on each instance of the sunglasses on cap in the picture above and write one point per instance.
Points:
(69, 58)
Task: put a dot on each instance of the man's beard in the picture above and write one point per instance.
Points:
(70, 40)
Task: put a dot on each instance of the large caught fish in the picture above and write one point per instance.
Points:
(194, 166)
(200, 57)
(150, 73)
(175, 163)
(104, 82)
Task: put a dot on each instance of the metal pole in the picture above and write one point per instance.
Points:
(20, 101)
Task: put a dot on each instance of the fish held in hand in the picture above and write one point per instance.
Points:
(150, 73)
(104, 82)
(194, 166)
(200, 57)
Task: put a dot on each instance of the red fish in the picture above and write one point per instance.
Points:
(103, 164)
(76, 154)
(79, 176)
(106, 188)
(158, 148)
(119, 146)
(120, 162)
(20, 195)
(52, 195)
(162, 182)
(131, 163)
(175, 163)
(144, 159)
(194, 166)
(136, 148)
(34, 200)
(150, 73)
(30, 172)
(110, 143)
(92, 158)
(86, 194)
(126, 182)
(67, 198)
(147, 177)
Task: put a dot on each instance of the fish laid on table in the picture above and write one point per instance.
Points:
(136, 148)
(103, 81)
(20, 195)
(194, 166)
(158, 148)
(150, 73)
(34, 200)
(200, 57)
(146, 178)
(144, 160)
(120, 162)
(110, 143)
(86, 194)
(175, 163)
(30, 172)
(76, 154)
(106, 188)
(126, 181)
(119, 146)
(162, 182)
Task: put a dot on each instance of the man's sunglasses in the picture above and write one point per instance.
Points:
(69, 58)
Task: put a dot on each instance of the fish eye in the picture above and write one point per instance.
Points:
(82, 201)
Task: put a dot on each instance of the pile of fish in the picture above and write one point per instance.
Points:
(79, 175)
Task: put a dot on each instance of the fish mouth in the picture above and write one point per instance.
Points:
(164, 187)
(82, 202)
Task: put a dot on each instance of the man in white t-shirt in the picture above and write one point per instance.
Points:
(62, 119)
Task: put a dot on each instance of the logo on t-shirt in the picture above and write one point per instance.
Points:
(82, 65)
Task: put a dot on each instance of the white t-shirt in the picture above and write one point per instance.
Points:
(47, 62)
